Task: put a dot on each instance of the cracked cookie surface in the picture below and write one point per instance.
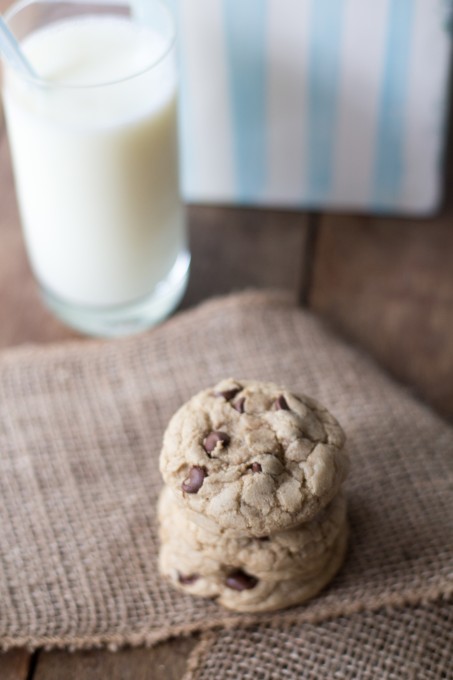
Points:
(301, 552)
(251, 458)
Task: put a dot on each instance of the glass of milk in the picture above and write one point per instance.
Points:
(94, 148)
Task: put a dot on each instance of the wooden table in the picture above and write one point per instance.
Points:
(386, 284)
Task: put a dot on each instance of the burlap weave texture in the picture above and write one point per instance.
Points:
(80, 432)
(406, 643)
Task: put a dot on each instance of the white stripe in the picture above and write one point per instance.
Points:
(427, 101)
(211, 171)
(286, 96)
(362, 61)
(138, 10)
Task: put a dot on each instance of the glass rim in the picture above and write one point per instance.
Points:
(21, 5)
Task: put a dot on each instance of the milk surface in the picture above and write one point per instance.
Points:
(96, 160)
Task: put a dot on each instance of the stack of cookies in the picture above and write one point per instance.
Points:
(252, 512)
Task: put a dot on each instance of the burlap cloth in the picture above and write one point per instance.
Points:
(413, 642)
(80, 432)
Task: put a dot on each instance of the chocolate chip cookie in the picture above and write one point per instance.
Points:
(301, 552)
(244, 591)
(251, 458)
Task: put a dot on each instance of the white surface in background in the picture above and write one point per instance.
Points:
(427, 96)
(209, 153)
(286, 97)
(208, 105)
(362, 62)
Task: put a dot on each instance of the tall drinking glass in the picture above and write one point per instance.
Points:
(94, 148)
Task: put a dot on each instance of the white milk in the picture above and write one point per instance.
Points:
(96, 168)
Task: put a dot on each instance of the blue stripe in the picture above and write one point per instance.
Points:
(325, 21)
(187, 153)
(389, 164)
(245, 22)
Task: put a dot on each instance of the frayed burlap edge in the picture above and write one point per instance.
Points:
(320, 615)
(207, 642)
(199, 653)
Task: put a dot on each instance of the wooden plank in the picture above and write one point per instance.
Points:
(236, 248)
(388, 285)
(164, 662)
(14, 665)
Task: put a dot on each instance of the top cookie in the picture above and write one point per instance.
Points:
(252, 458)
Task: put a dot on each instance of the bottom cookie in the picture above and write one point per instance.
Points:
(299, 553)
(242, 592)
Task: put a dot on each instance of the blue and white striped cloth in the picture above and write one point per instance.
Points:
(314, 103)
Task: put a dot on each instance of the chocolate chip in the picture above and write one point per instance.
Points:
(240, 580)
(281, 404)
(264, 538)
(255, 467)
(228, 395)
(187, 580)
(239, 405)
(213, 438)
(195, 479)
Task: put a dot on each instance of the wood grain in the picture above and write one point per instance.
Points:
(234, 248)
(164, 662)
(387, 284)
(14, 665)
